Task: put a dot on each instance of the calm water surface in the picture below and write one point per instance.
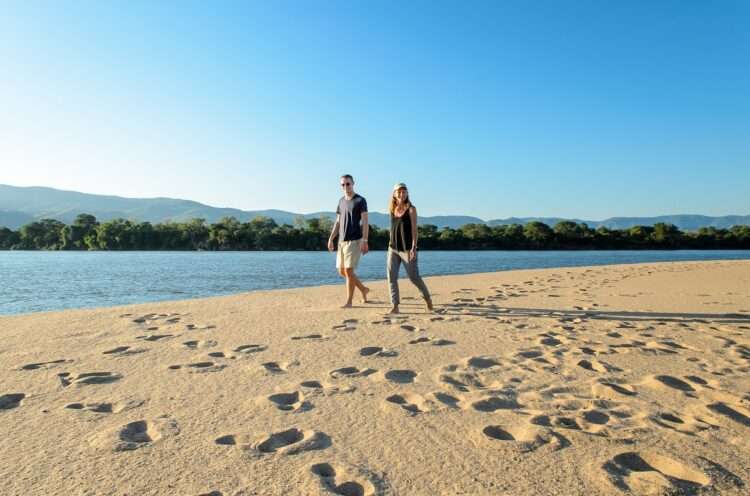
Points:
(35, 281)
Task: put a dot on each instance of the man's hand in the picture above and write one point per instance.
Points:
(330, 245)
(364, 248)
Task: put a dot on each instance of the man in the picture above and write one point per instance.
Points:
(352, 229)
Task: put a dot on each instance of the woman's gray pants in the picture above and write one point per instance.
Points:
(395, 259)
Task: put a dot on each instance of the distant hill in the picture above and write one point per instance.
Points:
(21, 205)
(684, 222)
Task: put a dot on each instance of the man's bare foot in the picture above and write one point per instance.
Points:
(365, 292)
(429, 304)
(394, 309)
(347, 305)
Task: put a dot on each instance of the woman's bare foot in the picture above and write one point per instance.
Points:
(348, 304)
(429, 304)
(394, 309)
(365, 292)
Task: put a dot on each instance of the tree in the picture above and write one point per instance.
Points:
(114, 234)
(195, 234)
(74, 236)
(539, 234)
(666, 235)
(262, 228)
(639, 236)
(224, 234)
(8, 238)
(479, 236)
(45, 234)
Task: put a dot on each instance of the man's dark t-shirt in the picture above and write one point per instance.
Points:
(351, 216)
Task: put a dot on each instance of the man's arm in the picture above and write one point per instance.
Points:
(365, 232)
(334, 232)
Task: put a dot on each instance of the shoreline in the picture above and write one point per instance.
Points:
(378, 280)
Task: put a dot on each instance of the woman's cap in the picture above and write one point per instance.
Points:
(398, 186)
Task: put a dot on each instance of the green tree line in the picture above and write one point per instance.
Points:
(263, 233)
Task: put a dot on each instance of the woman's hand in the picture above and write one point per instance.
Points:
(413, 254)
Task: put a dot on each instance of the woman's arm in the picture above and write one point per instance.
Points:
(414, 233)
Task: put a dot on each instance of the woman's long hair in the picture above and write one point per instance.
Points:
(394, 202)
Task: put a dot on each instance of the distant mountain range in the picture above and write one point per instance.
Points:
(21, 205)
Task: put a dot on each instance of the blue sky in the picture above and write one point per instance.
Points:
(582, 109)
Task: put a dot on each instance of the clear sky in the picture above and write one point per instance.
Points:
(585, 109)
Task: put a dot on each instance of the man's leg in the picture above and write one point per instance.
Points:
(350, 285)
(363, 289)
(340, 263)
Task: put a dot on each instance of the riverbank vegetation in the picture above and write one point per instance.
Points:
(262, 233)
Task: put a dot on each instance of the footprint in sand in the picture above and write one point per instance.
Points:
(105, 407)
(494, 403)
(432, 341)
(138, 434)
(377, 351)
(652, 473)
(684, 423)
(735, 412)
(401, 376)
(409, 328)
(88, 378)
(91, 407)
(482, 362)
(412, 403)
(351, 372)
(597, 366)
(11, 400)
(661, 381)
(203, 327)
(561, 421)
(317, 387)
(290, 402)
(526, 438)
(287, 442)
(352, 486)
(277, 367)
(195, 344)
(461, 381)
(198, 367)
(123, 351)
(311, 337)
(609, 389)
(346, 325)
(44, 365)
(154, 337)
(549, 340)
(250, 348)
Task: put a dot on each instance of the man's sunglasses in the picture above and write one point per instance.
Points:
(346, 184)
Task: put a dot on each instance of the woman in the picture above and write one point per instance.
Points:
(402, 247)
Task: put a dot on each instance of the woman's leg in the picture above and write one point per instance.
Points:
(413, 271)
(393, 264)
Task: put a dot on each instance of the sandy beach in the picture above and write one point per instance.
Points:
(628, 379)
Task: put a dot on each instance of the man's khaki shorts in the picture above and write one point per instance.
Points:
(348, 254)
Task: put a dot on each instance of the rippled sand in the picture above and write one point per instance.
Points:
(629, 379)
